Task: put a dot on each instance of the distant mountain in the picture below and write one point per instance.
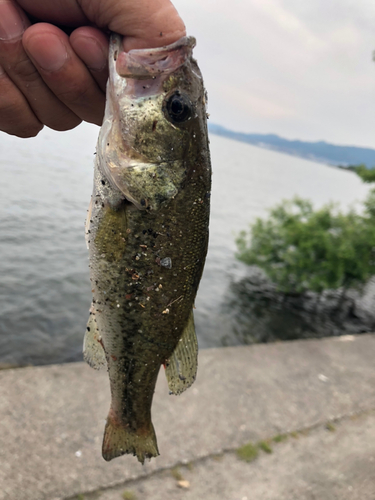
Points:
(318, 151)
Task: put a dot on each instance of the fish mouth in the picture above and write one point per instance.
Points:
(141, 72)
(143, 64)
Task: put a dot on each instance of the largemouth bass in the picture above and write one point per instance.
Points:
(147, 234)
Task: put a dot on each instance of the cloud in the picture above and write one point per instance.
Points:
(299, 69)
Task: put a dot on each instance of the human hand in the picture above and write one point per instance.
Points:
(50, 78)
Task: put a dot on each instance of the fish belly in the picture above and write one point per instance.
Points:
(145, 268)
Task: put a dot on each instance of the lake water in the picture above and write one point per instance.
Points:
(45, 189)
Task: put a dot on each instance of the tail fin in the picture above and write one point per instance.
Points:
(119, 440)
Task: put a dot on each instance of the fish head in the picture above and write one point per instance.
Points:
(155, 119)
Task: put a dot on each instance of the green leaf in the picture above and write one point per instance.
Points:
(303, 249)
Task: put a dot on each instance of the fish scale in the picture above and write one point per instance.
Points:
(147, 235)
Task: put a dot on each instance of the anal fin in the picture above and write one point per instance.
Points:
(93, 352)
(181, 367)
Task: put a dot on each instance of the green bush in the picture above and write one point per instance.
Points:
(303, 249)
(366, 174)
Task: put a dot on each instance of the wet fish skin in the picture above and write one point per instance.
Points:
(147, 233)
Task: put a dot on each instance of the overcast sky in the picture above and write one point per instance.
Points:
(298, 68)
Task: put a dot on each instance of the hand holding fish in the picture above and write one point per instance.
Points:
(50, 78)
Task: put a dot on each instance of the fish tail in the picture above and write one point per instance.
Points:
(119, 439)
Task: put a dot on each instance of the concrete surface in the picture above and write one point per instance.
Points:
(321, 464)
(52, 420)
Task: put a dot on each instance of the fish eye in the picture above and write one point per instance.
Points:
(178, 108)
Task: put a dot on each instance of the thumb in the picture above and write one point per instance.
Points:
(144, 23)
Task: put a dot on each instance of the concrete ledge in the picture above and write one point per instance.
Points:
(52, 417)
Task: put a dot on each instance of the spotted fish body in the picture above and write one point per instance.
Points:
(147, 234)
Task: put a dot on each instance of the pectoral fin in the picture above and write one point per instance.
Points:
(93, 352)
(181, 367)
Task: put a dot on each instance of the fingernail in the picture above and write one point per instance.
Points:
(92, 53)
(11, 23)
(50, 54)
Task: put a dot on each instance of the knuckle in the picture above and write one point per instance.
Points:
(75, 94)
(10, 106)
(29, 132)
(26, 70)
(67, 124)
(24, 131)
(16, 120)
(61, 119)
(16, 117)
